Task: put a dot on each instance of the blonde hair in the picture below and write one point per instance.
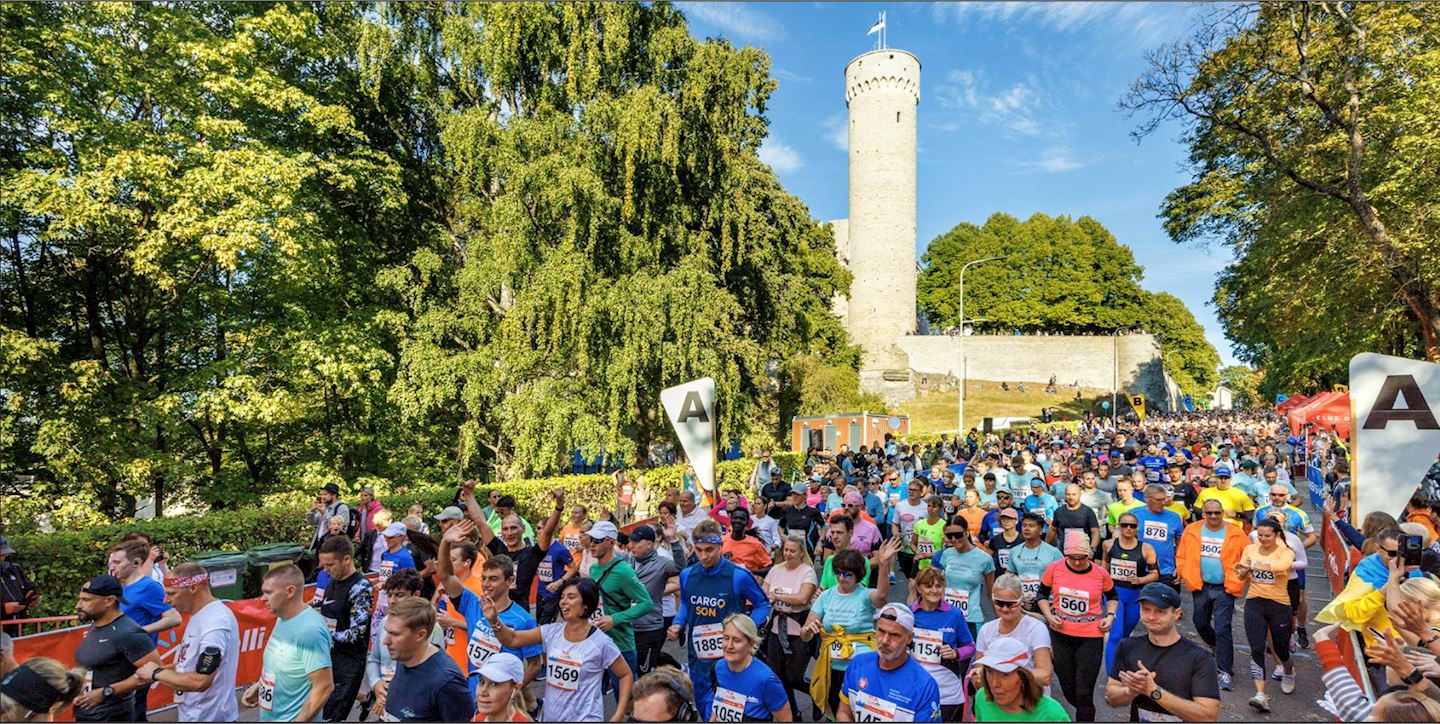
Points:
(336, 519)
(68, 683)
(382, 518)
(799, 541)
(1406, 706)
(1426, 592)
(1008, 582)
(746, 627)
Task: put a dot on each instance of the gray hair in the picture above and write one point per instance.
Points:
(1155, 488)
(1008, 582)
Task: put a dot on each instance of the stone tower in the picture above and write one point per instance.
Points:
(882, 92)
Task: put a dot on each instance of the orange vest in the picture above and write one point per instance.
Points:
(1187, 557)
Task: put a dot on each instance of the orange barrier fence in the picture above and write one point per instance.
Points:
(1340, 560)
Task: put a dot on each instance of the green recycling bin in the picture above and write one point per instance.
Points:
(263, 558)
(227, 572)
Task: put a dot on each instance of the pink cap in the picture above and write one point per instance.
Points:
(1076, 541)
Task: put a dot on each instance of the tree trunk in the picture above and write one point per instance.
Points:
(1418, 294)
(644, 435)
(92, 310)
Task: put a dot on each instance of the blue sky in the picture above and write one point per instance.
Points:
(1017, 114)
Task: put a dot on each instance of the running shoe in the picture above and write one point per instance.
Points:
(1287, 684)
(1227, 683)
(1303, 636)
(1260, 702)
(1278, 673)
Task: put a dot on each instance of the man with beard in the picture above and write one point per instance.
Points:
(888, 679)
(112, 651)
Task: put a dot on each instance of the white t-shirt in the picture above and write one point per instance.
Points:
(686, 522)
(769, 530)
(213, 626)
(907, 515)
(1029, 631)
(573, 673)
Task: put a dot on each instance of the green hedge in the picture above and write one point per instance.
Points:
(62, 561)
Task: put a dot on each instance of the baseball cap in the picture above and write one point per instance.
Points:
(505, 501)
(331, 488)
(775, 472)
(1009, 513)
(1160, 595)
(899, 613)
(395, 529)
(503, 667)
(641, 532)
(5, 549)
(450, 513)
(798, 489)
(604, 529)
(1223, 471)
(853, 498)
(105, 585)
(1005, 655)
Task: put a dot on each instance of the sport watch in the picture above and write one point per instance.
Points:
(1156, 694)
(1414, 678)
(107, 692)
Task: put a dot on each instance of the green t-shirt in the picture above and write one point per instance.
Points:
(934, 534)
(827, 576)
(1047, 709)
(624, 598)
(1118, 508)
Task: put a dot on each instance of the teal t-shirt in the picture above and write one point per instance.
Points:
(1030, 564)
(1047, 709)
(854, 612)
(1212, 569)
(299, 647)
(966, 572)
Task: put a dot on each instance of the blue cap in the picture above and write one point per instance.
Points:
(1222, 471)
(1160, 595)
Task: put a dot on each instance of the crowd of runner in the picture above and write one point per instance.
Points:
(1030, 563)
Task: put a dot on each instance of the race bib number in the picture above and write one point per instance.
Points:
(1029, 587)
(599, 612)
(387, 673)
(1262, 576)
(864, 707)
(1156, 531)
(572, 542)
(708, 640)
(562, 672)
(546, 571)
(482, 646)
(959, 599)
(837, 651)
(1123, 569)
(1072, 602)
(267, 690)
(926, 646)
(89, 682)
(386, 568)
(925, 547)
(449, 637)
(1004, 556)
(729, 705)
(781, 591)
(1211, 548)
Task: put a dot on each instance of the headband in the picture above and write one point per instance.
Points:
(710, 539)
(32, 690)
(183, 581)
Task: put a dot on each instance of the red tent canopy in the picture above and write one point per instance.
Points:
(1292, 403)
(1296, 415)
(1330, 411)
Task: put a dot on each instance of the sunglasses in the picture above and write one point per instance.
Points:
(1214, 512)
(847, 575)
(1129, 525)
(1389, 552)
(1005, 604)
(954, 534)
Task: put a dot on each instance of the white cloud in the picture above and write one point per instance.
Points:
(1056, 159)
(837, 132)
(783, 74)
(780, 156)
(1148, 23)
(735, 19)
(1015, 109)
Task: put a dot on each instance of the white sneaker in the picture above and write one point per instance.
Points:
(1227, 683)
(1287, 683)
(1260, 702)
(1278, 673)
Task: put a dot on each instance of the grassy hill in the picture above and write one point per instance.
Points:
(934, 411)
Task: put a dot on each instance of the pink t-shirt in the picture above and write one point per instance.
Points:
(781, 580)
(865, 536)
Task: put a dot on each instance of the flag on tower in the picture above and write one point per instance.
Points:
(878, 26)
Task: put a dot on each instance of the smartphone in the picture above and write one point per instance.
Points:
(1410, 547)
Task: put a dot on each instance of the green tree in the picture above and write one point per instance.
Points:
(1312, 140)
(1059, 275)
(1244, 383)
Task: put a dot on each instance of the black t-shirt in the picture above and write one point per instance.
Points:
(1183, 668)
(527, 562)
(775, 491)
(109, 652)
(1000, 548)
(801, 519)
(433, 690)
(427, 583)
(1067, 519)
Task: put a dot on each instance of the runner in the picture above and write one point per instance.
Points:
(1267, 606)
(347, 609)
(943, 640)
(929, 536)
(379, 667)
(841, 616)
(1125, 493)
(37, 689)
(710, 591)
(656, 573)
(1011, 623)
(1235, 502)
(203, 675)
(992, 525)
(1030, 560)
(664, 695)
(746, 689)
(623, 598)
(111, 651)
(840, 536)
(1008, 688)
(1073, 594)
(577, 656)
(1297, 526)
(1004, 536)
(496, 576)
(1162, 676)
(968, 571)
(143, 601)
(1073, 515)
(1160, 528)
(887, 684)
(295, 676)
(790, 586)
(500, 684)
(516, 539)
(428, 686)
(743, 549)
(1206, 562)
(903, 517)
(1131, 563)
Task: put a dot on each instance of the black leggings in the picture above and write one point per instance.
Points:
(790, 668)
(1264, 616)
(1077, 664)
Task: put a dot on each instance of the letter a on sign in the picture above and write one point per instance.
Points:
(691, 409)
(1397, 435)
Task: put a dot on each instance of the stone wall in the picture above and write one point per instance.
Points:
(1092, 361)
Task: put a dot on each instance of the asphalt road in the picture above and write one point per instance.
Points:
(1298, 707)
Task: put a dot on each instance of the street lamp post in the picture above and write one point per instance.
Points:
(960, 412)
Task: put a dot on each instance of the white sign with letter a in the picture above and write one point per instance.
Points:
(691, 410)
(1397, 436)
